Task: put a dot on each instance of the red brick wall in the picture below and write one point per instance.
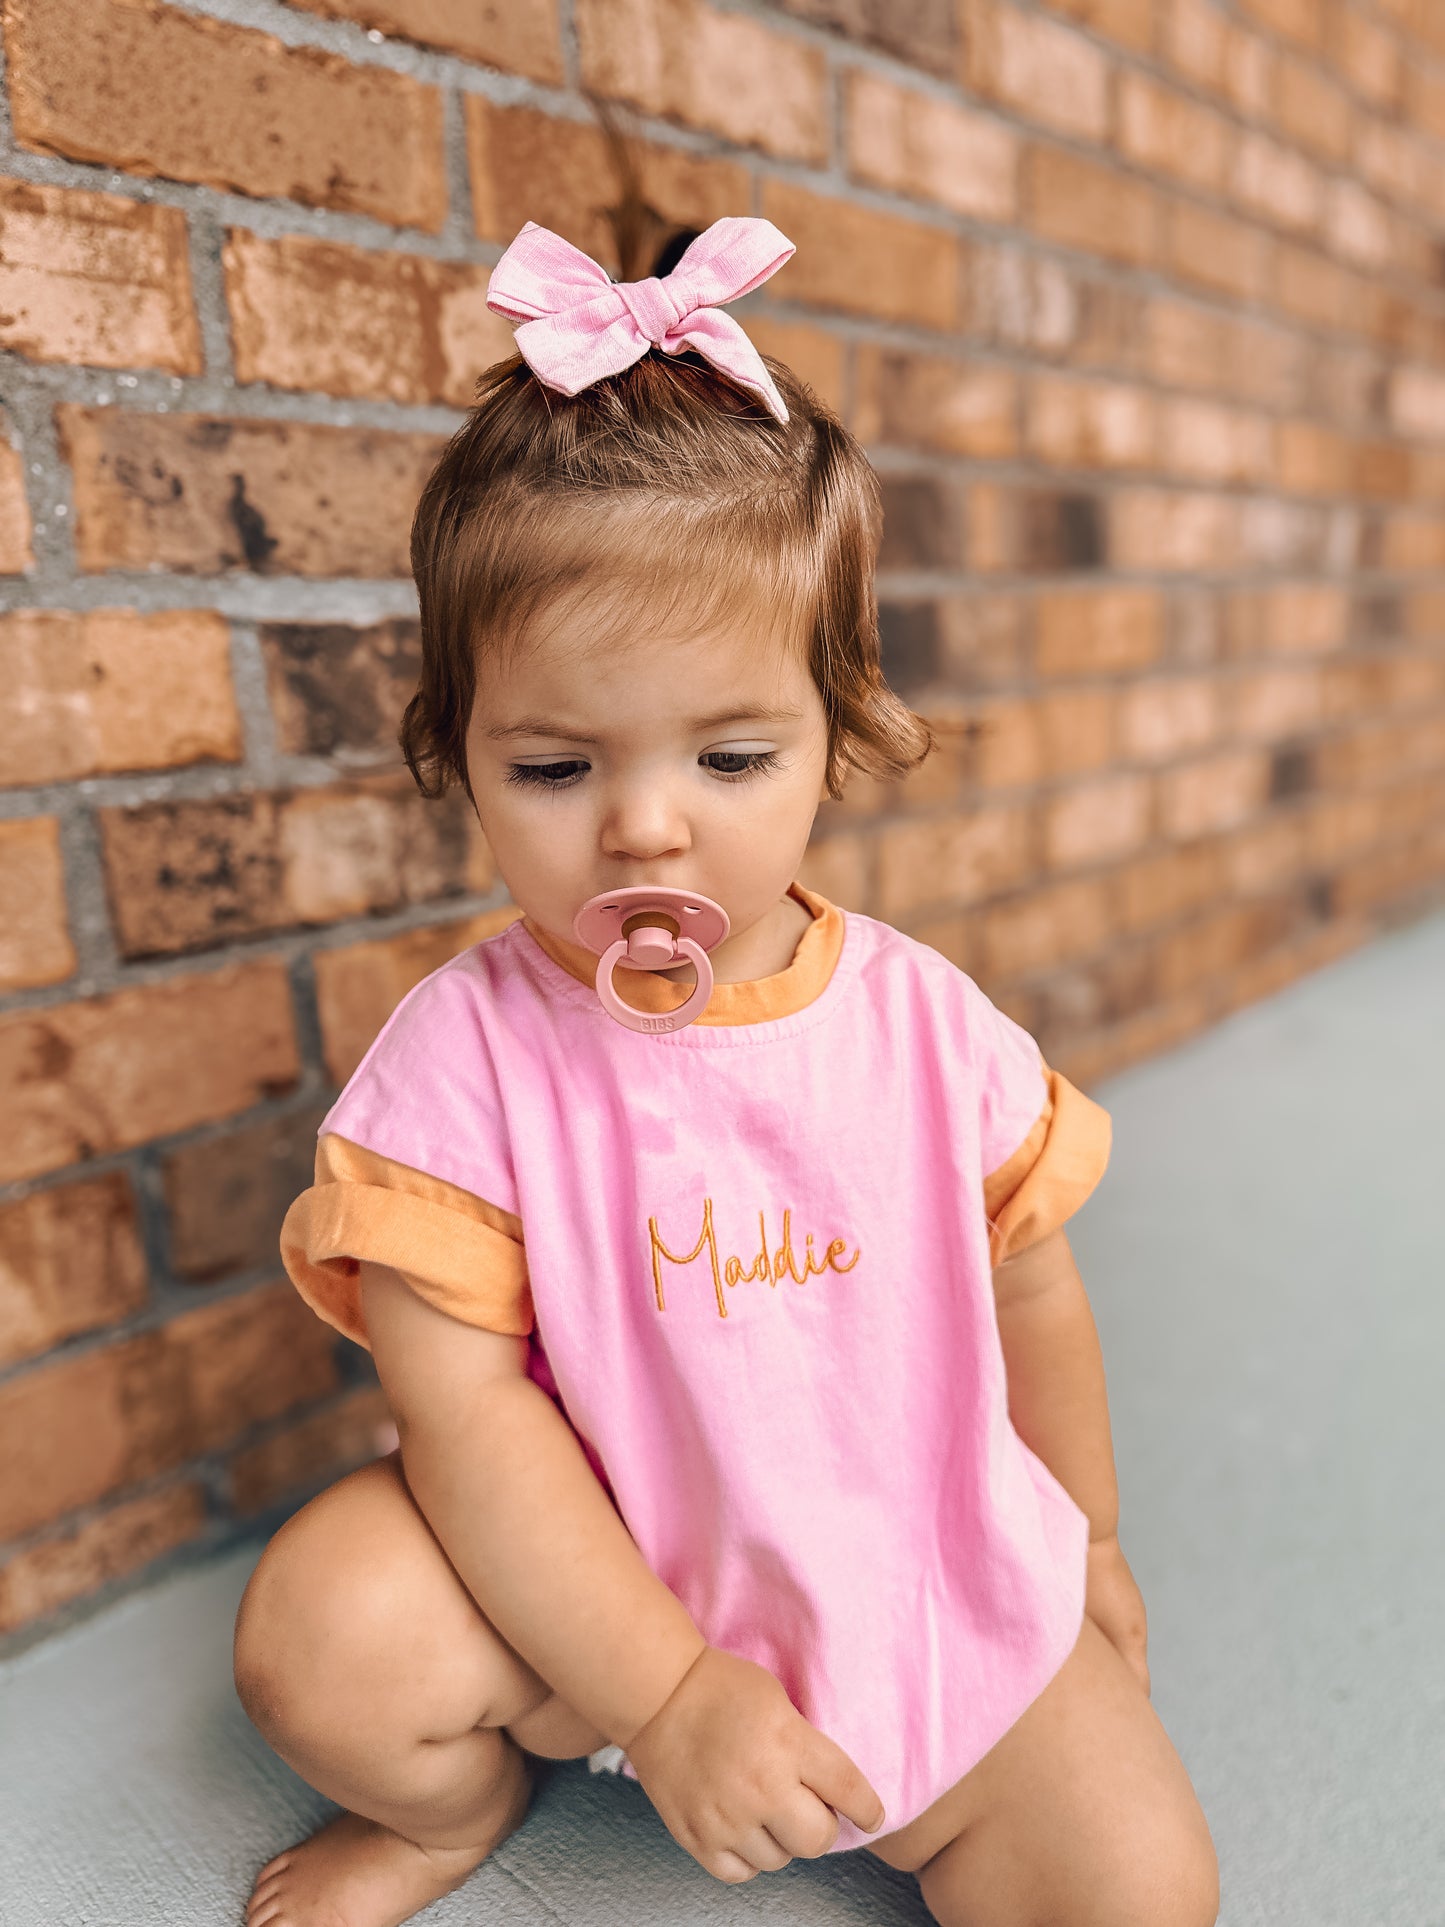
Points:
(1139, 306)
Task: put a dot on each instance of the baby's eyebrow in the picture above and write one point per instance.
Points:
(544, 726)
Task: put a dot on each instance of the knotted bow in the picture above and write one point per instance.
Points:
(579, 325)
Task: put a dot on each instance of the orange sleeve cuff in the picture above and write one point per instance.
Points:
(1051, 1173)
(460, 1253)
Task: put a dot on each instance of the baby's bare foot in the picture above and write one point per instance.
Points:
(355, 1873)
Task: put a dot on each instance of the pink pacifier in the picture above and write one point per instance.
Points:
(651, 927)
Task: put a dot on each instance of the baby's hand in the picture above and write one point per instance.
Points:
(741, 1779)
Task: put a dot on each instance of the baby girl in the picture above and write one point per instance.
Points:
(753, 1434)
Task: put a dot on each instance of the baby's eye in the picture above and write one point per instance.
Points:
(740, 763)
(548, 776)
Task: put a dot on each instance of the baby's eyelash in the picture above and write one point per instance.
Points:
(757, 760)
(545, 775)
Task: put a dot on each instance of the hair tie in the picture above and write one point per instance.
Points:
(578, 325)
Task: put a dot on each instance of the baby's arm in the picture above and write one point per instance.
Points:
(504, 1484)
(741, 1779)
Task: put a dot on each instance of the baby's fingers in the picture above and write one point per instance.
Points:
(836, 1780)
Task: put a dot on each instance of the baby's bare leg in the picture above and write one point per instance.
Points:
(1083, 1812)
(367, 1665)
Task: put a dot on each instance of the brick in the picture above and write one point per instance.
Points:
(312, 314)
(358, 987)
(1165, 132)
(42, 1578)
(815, 356)
(1046, 927)
(1302, 21)
(921, 527)
(1159, 889)
(908, 642)
(939, 779)
(952, 934)
(1097, 632)
(1367, 56)
(1092, 207)
(526, 165)
(860, 262)
(1076, 730)
(1308, 287)
(924, 33)
(1033, 530)
(226, 1196)
(1128, 23)
(1214, 794)
(70, 1261)
(93, 692)
(95, 278)
(1159, 721)
(16, 553)
(339, 689)
(35, 946)
(840, 868)
(1201, 440)
(1277, 185)
(78, 1430)
(159, 91)
(321, 1448)
(1041, 69)
(953, 860)
(1009, 751)
(1099, 992)
(204, 495)
(1310, 459)
(1313, 112)
(723, 72)
(1265, 856)
(1090, 424)
(1096, 822)
(1358, 226)
(981, 643)
(1298, 618)
(1182, 529)
(1275, 702)
(927, 401)
(1025, 299)
(111, 1072)
(931, 149)
(192, 874)
(522, 37)
(1227, 256)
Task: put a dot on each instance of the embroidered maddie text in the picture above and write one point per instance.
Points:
(769, 1265)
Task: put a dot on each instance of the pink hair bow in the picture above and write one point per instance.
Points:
(579, 325)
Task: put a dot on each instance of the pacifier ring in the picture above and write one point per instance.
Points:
(647, 927)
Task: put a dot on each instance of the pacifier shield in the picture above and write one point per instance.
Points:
(651, 927)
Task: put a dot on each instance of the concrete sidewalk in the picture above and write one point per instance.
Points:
(1267, 1270)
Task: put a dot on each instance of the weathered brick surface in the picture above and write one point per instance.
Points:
(339, 690)
(522, 37)
(120, 1541)
(358, 987)
(190, 875)
(16, 553)
(113, 689)
(70, 1260)
(156, 90)
(321, 1447)
(77, 1430)
(347, 321)
(920, 145)
(35, 946)
(226, 1196)
(96, 278)
(1134, 303)
(529, 166)
(724, 72)
(98, 1076)
(204, 496)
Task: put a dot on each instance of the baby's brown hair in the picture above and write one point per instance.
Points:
(665, 486)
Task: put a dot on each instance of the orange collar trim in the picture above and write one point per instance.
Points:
(755, 1002)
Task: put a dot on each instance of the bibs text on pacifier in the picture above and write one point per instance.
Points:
(651, 927)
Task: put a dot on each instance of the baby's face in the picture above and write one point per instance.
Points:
(695, 760)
